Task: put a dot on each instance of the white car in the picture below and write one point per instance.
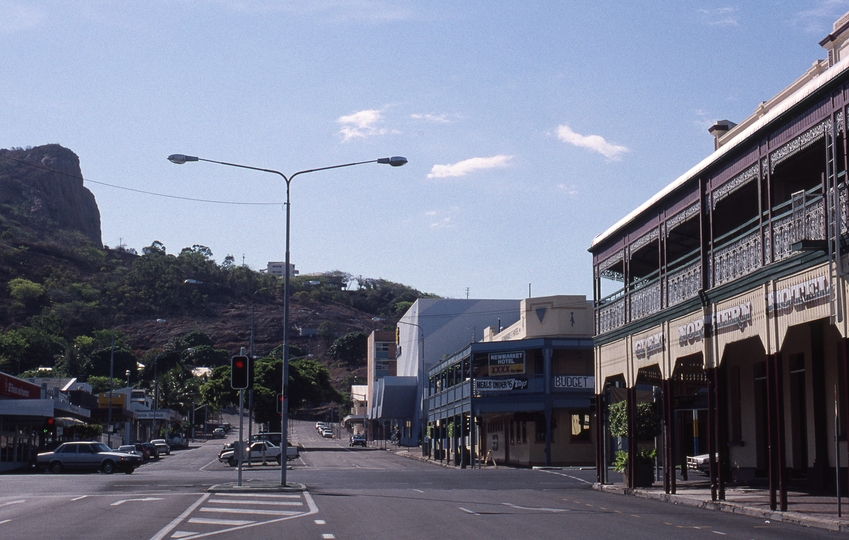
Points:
(254, 454)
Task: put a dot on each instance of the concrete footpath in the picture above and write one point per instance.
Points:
(806, 509)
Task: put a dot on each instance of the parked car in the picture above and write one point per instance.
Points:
(327, 433)
(130, 449)
(87, 455)
(143, 451)
(218, 433)
(162, 446)
(699, 463)
(176, 440)
(358, 439)
(152, 450)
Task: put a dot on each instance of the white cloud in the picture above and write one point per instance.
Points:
(720, 16)
(17, 17)
(442, 219)
(434, 118)
(568, 189)
(461, 168)
(596, 143)
(361, 124)
(818, 18)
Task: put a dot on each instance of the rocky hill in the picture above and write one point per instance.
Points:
(42, 192)
(60, 289)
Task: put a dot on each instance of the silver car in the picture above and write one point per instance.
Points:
(87, 455)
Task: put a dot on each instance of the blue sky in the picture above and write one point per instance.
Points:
(530, 127)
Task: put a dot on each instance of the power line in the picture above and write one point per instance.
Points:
(153, 193)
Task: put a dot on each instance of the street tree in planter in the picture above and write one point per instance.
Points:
(648, 426)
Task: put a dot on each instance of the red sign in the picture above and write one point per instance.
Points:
(14, 388)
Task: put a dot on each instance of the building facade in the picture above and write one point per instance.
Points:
(521, 396)
(428, 332)
(723, 298)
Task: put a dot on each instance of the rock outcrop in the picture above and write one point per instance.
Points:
(42, 188)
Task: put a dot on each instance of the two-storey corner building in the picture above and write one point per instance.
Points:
(522, 395)
(726, 295)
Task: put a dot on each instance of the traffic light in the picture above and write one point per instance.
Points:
(240, 373)
(280, 402)
(49, 426)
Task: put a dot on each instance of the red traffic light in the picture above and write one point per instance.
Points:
(50, 421)
(240, 373)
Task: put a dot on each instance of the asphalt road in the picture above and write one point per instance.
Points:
(351, 493)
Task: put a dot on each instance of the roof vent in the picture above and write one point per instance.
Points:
(718, 130)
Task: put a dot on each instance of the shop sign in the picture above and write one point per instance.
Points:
(13, 388)
(739, 316)
(691, 332)
(500, 385)
(506, 363)
(650, 345)
(574, 381)
(798, 296)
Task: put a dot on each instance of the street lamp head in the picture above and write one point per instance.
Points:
(179, 159)
(394, 161)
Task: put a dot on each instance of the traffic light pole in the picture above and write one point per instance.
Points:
(241, 419)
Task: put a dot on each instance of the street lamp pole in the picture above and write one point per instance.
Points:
(395, 161)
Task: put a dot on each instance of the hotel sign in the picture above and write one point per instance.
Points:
(798, 296)
(512, 363)
(650, 345)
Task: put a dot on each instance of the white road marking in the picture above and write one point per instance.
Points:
(228, 522)
(13, 502)
(511, 505)
(146, 499)
(251, 511)
(177, 520)
(469, 511)
(559, 473)
(259, 503)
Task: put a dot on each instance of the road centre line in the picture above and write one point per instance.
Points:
(13, 502)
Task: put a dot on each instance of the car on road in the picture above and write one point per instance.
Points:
(218, 433)
(260, 451)
(327, 433)
(162, 446)
(358, 439)
(83, 455)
